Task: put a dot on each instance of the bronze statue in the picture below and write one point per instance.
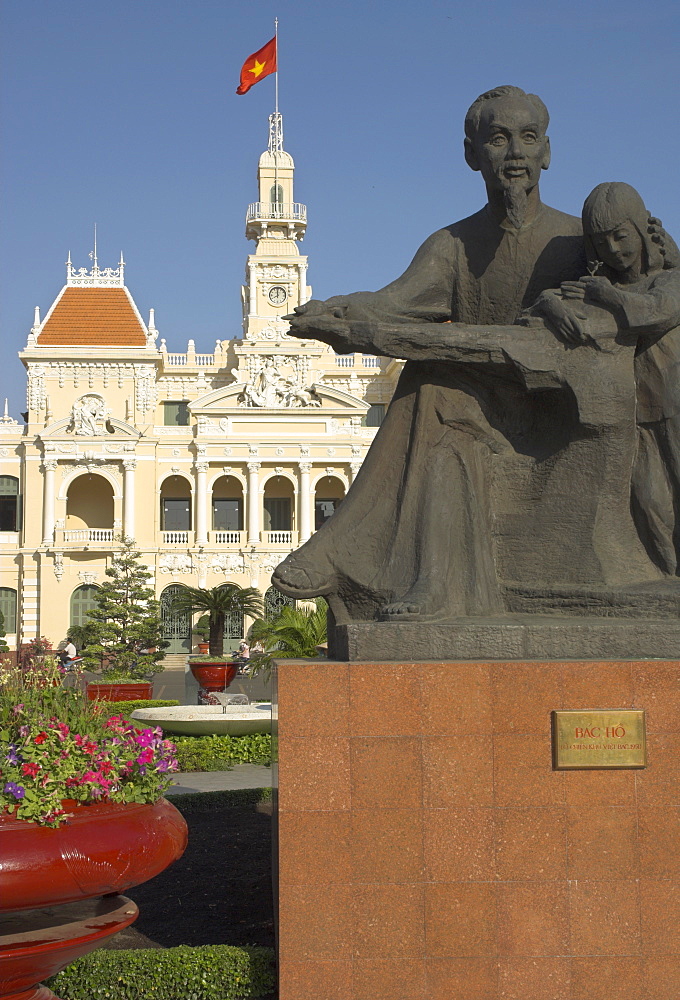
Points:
(500, 479)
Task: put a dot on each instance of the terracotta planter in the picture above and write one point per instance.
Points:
(203, 647)
(104, 848)
(36, 944)
(50, 874)
(122, 691)
(214, 675)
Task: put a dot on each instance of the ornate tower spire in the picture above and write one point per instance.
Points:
(276, 272)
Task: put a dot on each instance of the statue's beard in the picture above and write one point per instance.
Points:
(515, 204)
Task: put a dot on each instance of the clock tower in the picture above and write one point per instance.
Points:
(276, 273)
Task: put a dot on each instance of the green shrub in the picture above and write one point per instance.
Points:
(210, 972)
(226, 798)
(218, 753)
(117, 707)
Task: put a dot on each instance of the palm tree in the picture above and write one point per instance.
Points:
(218, 602)
(293, 634)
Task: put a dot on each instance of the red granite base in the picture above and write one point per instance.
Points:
(428, 851)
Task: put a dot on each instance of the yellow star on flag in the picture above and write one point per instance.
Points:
(258, 66)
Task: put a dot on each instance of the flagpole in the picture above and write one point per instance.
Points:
(276, 83)
(276, 119)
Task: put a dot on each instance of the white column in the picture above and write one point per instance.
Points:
(305, 501)
(201, 503)
(354, 469)
(253, 503)
(252, 290)
(129, 465)
(302, 278)
(49, 467)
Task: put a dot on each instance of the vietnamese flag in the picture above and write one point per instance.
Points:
(257, 66)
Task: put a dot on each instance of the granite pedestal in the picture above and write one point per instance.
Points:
(427, 850)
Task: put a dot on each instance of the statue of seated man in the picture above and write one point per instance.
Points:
(502, 470)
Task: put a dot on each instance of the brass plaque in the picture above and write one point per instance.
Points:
(593, 739)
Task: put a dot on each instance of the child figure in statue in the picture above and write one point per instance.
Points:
(634, 274)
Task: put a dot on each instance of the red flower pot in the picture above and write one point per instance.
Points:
(214, 675)
(49, 875)
(104, 848)
(123, 691)
(36, 944)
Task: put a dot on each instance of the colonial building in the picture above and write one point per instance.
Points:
(217, 463)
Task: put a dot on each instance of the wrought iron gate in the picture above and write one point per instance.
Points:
(176, 627)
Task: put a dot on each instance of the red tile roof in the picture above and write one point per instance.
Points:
(102, 317)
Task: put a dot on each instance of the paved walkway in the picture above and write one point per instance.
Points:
(240, 776)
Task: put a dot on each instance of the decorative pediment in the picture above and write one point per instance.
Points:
(110, 430)
(316, 396)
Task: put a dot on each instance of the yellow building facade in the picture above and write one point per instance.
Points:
(217, 463)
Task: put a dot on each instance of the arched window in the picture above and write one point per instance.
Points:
(89, 503)
(82, 601)
(274, 600)
(175, 504)
(278, 504)
(276, 197)
(176, 625)
(8, 606)
(329, 494)
(227, 505)
(10, 504)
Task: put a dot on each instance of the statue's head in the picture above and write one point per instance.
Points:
(615, 227)
(505, 139)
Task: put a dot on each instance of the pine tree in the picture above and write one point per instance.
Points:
(126, 623)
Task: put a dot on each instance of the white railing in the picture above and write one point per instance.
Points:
(227, 537)
(345, 360)
(370, 361)
(205, 360)
(279, 537)
(272, 210)
(175, 537)
(175, 359)
(88, 535)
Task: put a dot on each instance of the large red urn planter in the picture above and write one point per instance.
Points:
(123, 691)
(49, 913)
(213, 676)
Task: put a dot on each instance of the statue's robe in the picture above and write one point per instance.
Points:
(651, 306)
(483, 476)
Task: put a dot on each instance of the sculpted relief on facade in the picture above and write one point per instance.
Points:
(89, 416)
(270, 386)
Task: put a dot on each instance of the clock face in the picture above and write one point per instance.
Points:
(277, 295)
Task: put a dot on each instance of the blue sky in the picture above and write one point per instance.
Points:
(125, 115)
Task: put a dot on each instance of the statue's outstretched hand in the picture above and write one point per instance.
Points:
(564, 320)
(316, 320)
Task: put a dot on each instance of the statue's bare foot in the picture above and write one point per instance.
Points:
(416, 605)
(299, 580)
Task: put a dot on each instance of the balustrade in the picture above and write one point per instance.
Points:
(72, 535)
(175, 537)
(279, 537)
(227, 537)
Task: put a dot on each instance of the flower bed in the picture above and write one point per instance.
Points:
(56, 748)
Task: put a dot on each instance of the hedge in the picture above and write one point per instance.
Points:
(218, 753)
(209, 972)
(123, 707)
(226, 798)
